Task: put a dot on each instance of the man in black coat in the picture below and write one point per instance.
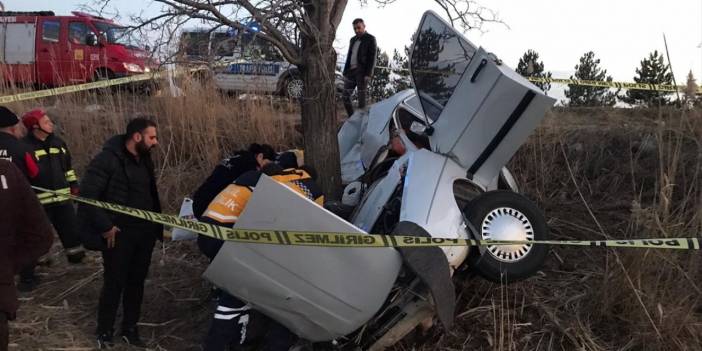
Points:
(122, 173)
(25, 235)
(360, 63)
(12, 148)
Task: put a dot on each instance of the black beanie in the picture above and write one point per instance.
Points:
(287, 160)
(7, 117)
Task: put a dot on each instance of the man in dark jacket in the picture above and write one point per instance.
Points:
(11, 148)
(55, 173)
(225, 173)
(122, 173)
(25, 234)
(360, 63)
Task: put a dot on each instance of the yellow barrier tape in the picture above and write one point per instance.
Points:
(332, 239)
(593, 83)
(147, 76)
(31, 95)
(617, 85)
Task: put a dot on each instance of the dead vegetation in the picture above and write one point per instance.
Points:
(597, 173)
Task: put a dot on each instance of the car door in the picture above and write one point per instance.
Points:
(480, 111)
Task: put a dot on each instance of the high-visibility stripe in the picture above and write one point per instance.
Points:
(226, 317)
(52, 151)
(53, 200)
(221, 217)
(229, 309)
(71, 176)
(50, 198)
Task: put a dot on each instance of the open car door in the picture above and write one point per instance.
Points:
(319, 293)
(480, 110)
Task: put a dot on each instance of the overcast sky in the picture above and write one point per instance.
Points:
(620, 32)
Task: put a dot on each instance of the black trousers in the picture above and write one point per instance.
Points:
(63, 217)
(236, 324)
(4, 332)
(125, 269)
(355, 79)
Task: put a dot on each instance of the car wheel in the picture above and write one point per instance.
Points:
(506, 215)
(294, 87)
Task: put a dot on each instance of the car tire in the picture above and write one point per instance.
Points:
(516, 218)
(293, 87)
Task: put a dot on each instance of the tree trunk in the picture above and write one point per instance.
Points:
(319, 118)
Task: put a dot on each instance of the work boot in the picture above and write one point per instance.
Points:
(76, 257)
(131, 337)
(28, 284)
(104, 340)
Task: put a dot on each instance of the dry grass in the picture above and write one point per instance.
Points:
(601, 174)
(596, 173)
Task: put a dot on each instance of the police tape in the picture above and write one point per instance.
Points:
(354, 240)
(606, 84)
(591, 83)
(150, 76)
(31, 95)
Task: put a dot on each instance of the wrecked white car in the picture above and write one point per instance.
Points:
(426, 163)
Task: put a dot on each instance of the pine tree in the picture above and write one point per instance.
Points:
(588, 69)
(529, 66)
(691, 97)
(653, 70)
(401, 79)
(378, 88)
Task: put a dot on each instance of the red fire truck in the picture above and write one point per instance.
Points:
(40, 48)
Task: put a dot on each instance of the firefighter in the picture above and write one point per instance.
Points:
(55, 173)
(234, 320)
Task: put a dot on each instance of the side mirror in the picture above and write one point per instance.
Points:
(91, 39)
(147, 48)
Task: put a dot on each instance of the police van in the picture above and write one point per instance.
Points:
(244, 63)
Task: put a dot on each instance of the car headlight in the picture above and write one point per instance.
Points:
(147, 70)
(133, 67)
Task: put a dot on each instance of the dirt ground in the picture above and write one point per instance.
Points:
(61, 313)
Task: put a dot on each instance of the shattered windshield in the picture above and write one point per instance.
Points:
(439, 58)
(117, 35)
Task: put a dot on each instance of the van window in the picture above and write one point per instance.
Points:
(50, 31)
(223, 44)
(195, 43)
(77, 33)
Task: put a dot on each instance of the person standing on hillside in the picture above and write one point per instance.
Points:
(360, 63)
(55, 173)
(25, 235)
(122, 173)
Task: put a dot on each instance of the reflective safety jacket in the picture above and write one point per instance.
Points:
(230, 202)
(55, 169)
